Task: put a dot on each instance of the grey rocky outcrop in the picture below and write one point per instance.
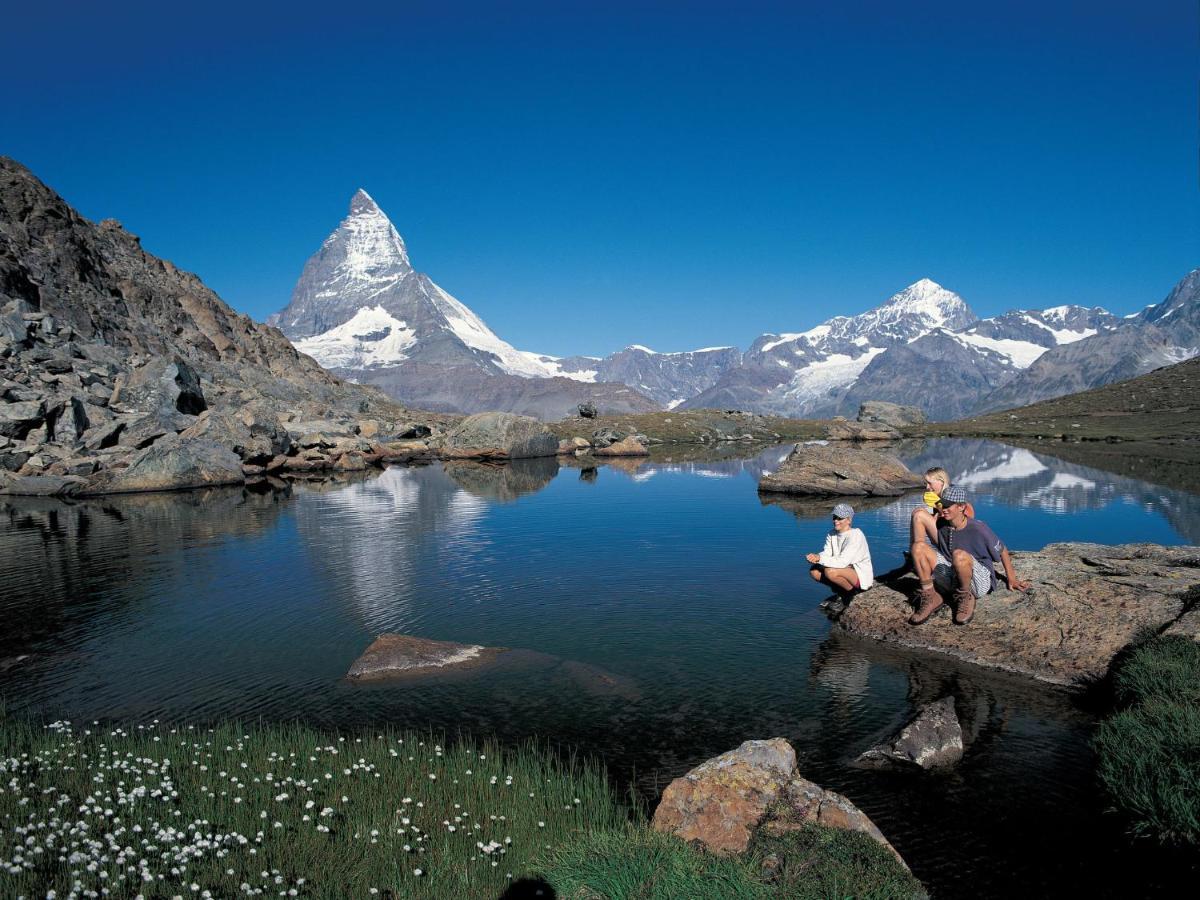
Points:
(107, 351)
(933, 739)
(172, 464)
(721, 803)
(842, 430)
(498, 435)
(880, 412)
(837, 470)
(1087, 603)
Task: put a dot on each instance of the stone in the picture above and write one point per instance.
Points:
(630, 446)
(40, 485)
(412, 431)
(602, 437)
(840, 471)
(164, 384)
(172, 464)
(721, 803)
(858, 431)
(1087, 603)
(879, 412)
(351, 461)
(368, 428)
(498, 435)
(254, 434)
(587, 410)
(572, 445)
(933, 739)
(398, 655)
(18, 419)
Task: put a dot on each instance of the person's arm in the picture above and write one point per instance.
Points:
(816, 558)
(1010, 574)
(851, 550)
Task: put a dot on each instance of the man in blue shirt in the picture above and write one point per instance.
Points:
(964, 561)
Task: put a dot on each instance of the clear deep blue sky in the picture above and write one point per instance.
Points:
(589, 175)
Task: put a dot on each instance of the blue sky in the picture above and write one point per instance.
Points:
(590, 175)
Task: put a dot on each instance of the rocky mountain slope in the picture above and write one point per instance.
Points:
(363, 311)
(108, 354)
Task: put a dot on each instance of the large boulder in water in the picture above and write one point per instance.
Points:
(841, 430)
(630, 446)
(893, 415)
(499, 435)
(840, 471)
(172, 464)
(723, 801)
(1087, 603)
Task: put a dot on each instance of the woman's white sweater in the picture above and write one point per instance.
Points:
(849, 549)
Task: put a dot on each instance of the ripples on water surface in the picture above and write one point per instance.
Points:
(665, 610)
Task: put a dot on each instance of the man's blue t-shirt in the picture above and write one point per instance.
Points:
(974, 537)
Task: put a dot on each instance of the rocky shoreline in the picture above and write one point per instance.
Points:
(1088, 603)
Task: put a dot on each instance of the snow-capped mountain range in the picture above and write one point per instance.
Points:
(361, 309)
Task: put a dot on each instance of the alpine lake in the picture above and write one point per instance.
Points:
(662, 609)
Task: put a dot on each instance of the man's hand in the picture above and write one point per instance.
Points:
(1010, 574)
(1016, 584)
(813, 558)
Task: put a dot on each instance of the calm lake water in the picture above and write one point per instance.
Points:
(664, 612)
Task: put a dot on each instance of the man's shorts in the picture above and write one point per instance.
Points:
(981, 576)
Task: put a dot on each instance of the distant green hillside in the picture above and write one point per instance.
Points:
(1163, 405)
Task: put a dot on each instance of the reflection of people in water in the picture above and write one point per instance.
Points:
(845, 563)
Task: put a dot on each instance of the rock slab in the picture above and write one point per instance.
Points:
(840, 471)
(722, 802)
(397, 655)
(1086, 604)
(498, 435)
(630, 446)
(893, 415)
(931, 740)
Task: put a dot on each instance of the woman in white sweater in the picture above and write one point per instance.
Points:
(845, 563)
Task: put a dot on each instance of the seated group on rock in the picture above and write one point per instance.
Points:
(952, 551)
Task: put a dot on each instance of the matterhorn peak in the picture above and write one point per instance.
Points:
(362, 203)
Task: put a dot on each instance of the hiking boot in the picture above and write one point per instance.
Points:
(964, 606)
(929, 601)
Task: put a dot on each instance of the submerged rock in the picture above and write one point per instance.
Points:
(722, 802)
(1087, 603)
(395, 655)
(931, 740)
(840, 471)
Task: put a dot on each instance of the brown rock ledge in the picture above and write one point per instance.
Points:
(1086, 604)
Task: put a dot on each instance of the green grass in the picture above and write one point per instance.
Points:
(813, 862)
(285, 810)
(1149, 750)
(268, 810)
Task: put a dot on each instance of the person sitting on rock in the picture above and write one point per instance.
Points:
(963, 562)
(925, 518)
(845, 563)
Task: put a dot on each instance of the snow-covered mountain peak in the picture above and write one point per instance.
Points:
(928, 299)
(369, 246)
(363, 203)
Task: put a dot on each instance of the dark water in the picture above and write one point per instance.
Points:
(666, 614)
